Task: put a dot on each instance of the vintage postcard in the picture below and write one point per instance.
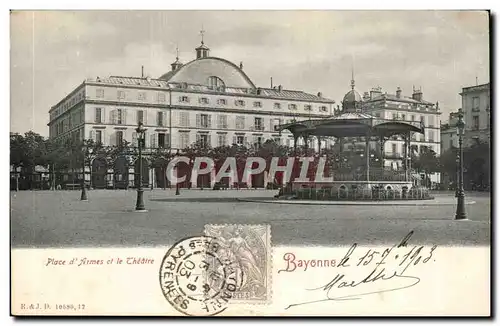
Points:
(250, 163)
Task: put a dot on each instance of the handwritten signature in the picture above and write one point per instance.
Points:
(394, 276)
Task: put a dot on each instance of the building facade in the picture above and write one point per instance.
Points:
(476, 106)
(397, 107)
(208, 100)
(449, 135)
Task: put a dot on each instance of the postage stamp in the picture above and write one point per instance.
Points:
(197, 278)
(249, 247)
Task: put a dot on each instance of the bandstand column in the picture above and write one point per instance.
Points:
(405, 153)
(367, 154)
(295, 139)
(382, 153)
(319, 144)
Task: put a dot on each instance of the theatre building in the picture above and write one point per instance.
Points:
(209, 100)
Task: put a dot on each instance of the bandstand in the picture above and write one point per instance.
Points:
(372, 182)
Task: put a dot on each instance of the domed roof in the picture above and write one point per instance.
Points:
(352, 96)
(198, 71)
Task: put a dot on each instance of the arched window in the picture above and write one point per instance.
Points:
(216, 84)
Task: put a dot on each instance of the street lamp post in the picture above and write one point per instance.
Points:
(460, 214)
(139, 206)
(85, 151)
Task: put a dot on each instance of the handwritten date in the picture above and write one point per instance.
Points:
(390, 266)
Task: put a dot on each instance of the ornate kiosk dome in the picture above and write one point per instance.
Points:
(352, 100)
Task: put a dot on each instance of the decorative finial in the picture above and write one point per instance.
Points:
(352, 77)
(202, 32)
(177, 52)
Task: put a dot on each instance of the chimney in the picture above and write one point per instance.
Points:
(320, 94)
(259, 91)
(375, 92)
(271, 82)
(142, 71)
(417, 94)
(241, 65)
(279, 88)
(398, 92)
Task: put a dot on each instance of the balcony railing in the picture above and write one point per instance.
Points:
(257, 128)
(392, 155)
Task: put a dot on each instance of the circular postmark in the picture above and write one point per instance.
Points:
(197, 278)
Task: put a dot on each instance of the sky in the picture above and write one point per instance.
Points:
(52, 52)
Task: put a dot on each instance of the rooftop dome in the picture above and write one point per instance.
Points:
(199, 72)
(352, 96)
(352, 100)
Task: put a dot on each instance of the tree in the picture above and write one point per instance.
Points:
(27, 151)
(477, 166)
(426, 162)
(17, 154)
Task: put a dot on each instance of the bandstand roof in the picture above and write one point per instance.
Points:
(352, 124)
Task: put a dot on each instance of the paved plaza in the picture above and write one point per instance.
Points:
(60, 219)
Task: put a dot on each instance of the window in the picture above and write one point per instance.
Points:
(216, 84)
(183, 139)
(183, 99)
(431, 121)
(377, 114)
(273, 123)
(159, 118)
(412, 117)
(99, 93)
(403, 117)
(451, 143)
(323, 108)
(240, 140)
(307, 107)
(277, 105)
(221, 140)
(119, 116)
(222, 101)
(277, 140)
(98, 115)
(222, 122)
(475, 122)
(119, 137)
(394, 116)
(394, 148)
(142, 96)
(431, 135)
(161, 97)
(203, 140)
(475, 103)
(121, 95)
(184, 119)
(98, 136)
(258, 124)
(140, 116)
(203, 121)
(258, 140)
(292, 106)
(203, 100)
(162, 140)
(422, 120)
(239, 103)
(240, 122)
(257, 104)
